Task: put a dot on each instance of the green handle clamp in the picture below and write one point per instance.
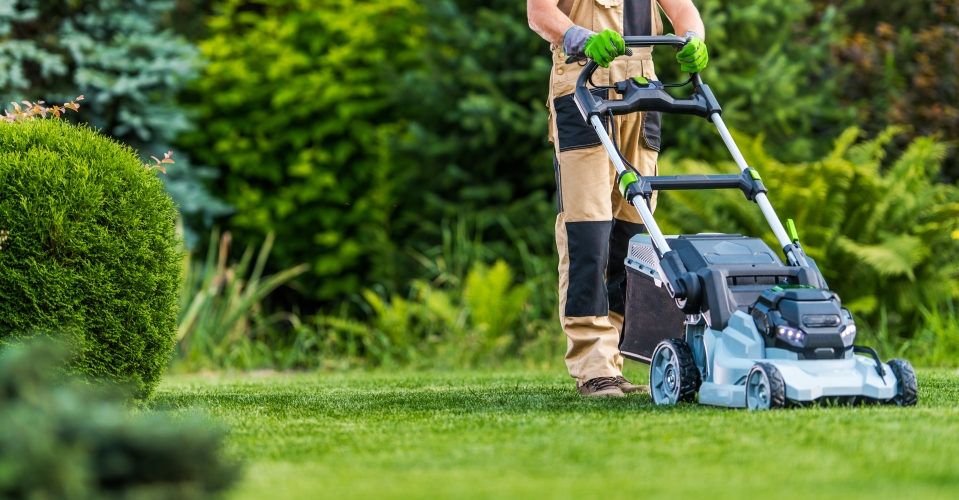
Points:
(625, 180)
(791, 230)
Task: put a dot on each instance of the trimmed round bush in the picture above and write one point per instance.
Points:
(91, 250)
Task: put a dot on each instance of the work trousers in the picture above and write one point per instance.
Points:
(595, 223)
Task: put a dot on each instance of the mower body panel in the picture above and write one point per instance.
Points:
(736, 349)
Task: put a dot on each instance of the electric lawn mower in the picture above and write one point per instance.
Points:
(722, 315)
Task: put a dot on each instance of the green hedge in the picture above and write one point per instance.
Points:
(92, 250)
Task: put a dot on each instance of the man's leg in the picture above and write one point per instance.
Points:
(585, 178)
(583, 230)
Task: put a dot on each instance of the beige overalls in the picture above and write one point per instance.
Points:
(595, 224)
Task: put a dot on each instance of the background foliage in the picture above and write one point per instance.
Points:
(394, 147)
(393, 125)
(904, 70)
(352, 129)
(130, 69)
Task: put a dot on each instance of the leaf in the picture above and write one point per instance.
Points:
(894, 257)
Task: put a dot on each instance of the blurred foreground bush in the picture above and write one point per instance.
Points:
(884, 233)
(63, 439)
(91, 250)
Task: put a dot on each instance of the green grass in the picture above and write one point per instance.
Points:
(526, 434)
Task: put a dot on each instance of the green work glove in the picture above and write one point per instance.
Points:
(605, 46)
(693, 56)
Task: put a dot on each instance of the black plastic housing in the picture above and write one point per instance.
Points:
(638, 97)
(810, 310)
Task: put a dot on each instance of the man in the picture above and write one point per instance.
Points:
(595, 224)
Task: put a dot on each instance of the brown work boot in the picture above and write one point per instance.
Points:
(627, 387)
(600, 386)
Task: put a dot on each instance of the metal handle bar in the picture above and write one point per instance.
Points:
(649, 41)
(642, 41)
(645, 97)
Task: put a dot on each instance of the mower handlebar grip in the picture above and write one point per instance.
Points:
(649, 41)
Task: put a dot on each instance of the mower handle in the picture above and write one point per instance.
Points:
(652, 96)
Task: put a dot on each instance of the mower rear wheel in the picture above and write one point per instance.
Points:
(673, 376)
(907, 389)
(765, 388)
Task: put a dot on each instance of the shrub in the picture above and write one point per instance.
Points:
(61, 439)
(907, 75)
(91, 251)
(771, 68)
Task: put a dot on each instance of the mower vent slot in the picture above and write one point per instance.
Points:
(754, 280)
(644, 254)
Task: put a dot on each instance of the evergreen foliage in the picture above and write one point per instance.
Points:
(61, 439)
(904, 70)
(291, 111)
(772, 69)
(352, 129)
(91, 251)
(130, 69)
(884, 233)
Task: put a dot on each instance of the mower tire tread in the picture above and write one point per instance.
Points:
(689, 376)
(908, 387)
(777, 386)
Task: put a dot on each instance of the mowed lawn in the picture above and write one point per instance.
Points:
(527, 434)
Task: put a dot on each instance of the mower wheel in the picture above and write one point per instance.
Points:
(907, 389)
(673, 376)
(765, 388)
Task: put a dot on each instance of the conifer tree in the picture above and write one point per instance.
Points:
(115, 53)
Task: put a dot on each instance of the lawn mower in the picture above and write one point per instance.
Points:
(722, 315)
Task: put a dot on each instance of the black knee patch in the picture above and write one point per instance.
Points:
(559, 185)
(588, 254)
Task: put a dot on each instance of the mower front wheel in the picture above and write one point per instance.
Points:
(907, 389)
(765, 388)
(673, 376)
